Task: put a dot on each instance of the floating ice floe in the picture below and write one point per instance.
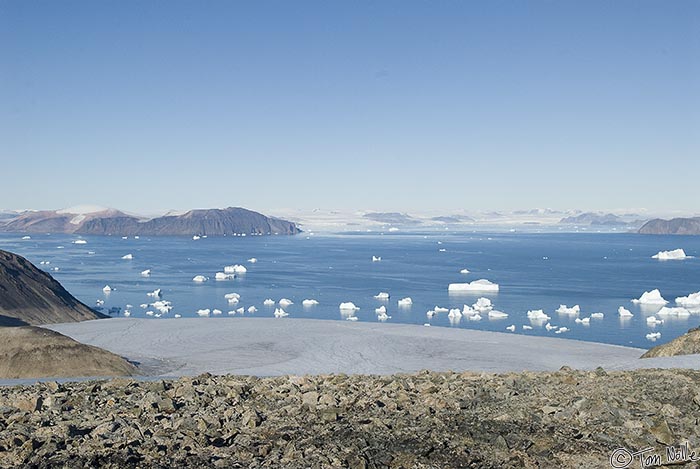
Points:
(157, 293)
(380, 310)
(100, 302)
(203, 312)
(235, 269)
(454, 313)
(196, 238)
(442, 250)
(526, 327)
(376, 259)
(550, 327)
(252, 260)
(383, 316)
(149, 313)
(651, 298)
(146, 273)
(584, 321)
(676, 254)
(252, 309)
(678, 312)
(128, 257)
(481, 285)
(199, 279)
(230, 296)
(107, 289)
(464, 271)
(44, 262)
(511, 328)
(143, 305)
(26, 237)
(597, 315)
(483, 305)
(382, 296)
(561, 330)
(125, 237)
(79, 241)
(405, 302)
(309, 303)
(284, 302)
(280, 313)
(563, 309)
(55, 269)
(224, 276)
(652, 321)
(430, 313)
(690, 301)
(624, 312)
(493, 314)
(164, 307)
(269, 302)
(475, 317)
(653, 336)
(177, 316)
(127, 313)
(439, 309)
(217, 312)
(240, 310)
(349, 306)
(537, 315)
(351, 318)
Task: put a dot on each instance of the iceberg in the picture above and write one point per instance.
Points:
(651, 298)
(483, 305)
(561, 330)
(493, 314)
(690, 301)
(597, 315)
(349, 306)
(380, 310)
(526, 327)
(652, 321)
(476, 317)
(149, 313)
(196, 238)
(163, 307)
(235, 269)
(464, 271)
(216, 311)
(26, 237)
(678, 312)
(252, 260)
(382, 296)
(584, 321)
(351, 318)
(383, 317)
(252, 309)
(107, 289)
(280, 313)
(157, 293)
(676, 254)
(549, 327)
(199, 279)
(269, 302)
(537, 315)
(405, 302)
(203, 312)
(653, 336)
(511, 328)
(376, 258)
(563, 309)
(454, 313)
(240, 310)
(229, 296)
(146, 273)
(79, 241)
(177, 316)
(438, 309)
(624, 312)
(481, 285)
(284, 302)
(224, 276)
(309, 303)
(128, 257)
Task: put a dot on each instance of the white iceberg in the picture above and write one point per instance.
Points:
(107, 289)
(678, 312)
(229, 296)
(195, 237)
(128, 257)
(526, 327)
(163, 307)
(475, 317)
(224, 276)
(269, 302)
(584, 321)
(430, 313)
(481, 285)
(454, 313)
(146, 273)
(653, 336)
(405, 302)
(351, 318)
(380, 310)
(690, 301)
(240, 310)
(217, 312)
(464, 271)
(284, 302)
(676, 254)
(493, 314)
(550, 327)
(177, 316)
(383, 317)
(252, 309)
(308, 303)
(199, 279)
(651, 298)
(652, 321)
(376, 258)
(203, 312)
(597, 315)
(235, 269)
(26, 237)
(511, 328)
(79, 241)
(537, 315)
(563, 309)
(280, 313)
(157, 293)
(624, 312)
(483, 305)
(382, 296)
(438, 309)
(149, 313)
(252, 260)
(349, 306)
(561, 330)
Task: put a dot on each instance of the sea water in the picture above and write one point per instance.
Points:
(599, 272)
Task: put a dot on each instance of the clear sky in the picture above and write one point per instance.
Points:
(390, 105)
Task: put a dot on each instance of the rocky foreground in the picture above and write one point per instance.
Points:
(425, 420)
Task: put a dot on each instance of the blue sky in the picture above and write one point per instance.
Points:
(391, 105)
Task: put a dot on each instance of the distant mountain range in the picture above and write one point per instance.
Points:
(675, 226)
(212, 222)
(602, 219)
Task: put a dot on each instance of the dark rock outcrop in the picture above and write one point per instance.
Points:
(425, 420)
(33, 352)
(30, 296)
(675, 226)
(687, 344)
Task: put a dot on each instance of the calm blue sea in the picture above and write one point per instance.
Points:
(599, 272)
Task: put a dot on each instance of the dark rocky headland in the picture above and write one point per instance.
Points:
(424, 420)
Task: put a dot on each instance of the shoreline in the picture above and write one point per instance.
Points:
(272, 347)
